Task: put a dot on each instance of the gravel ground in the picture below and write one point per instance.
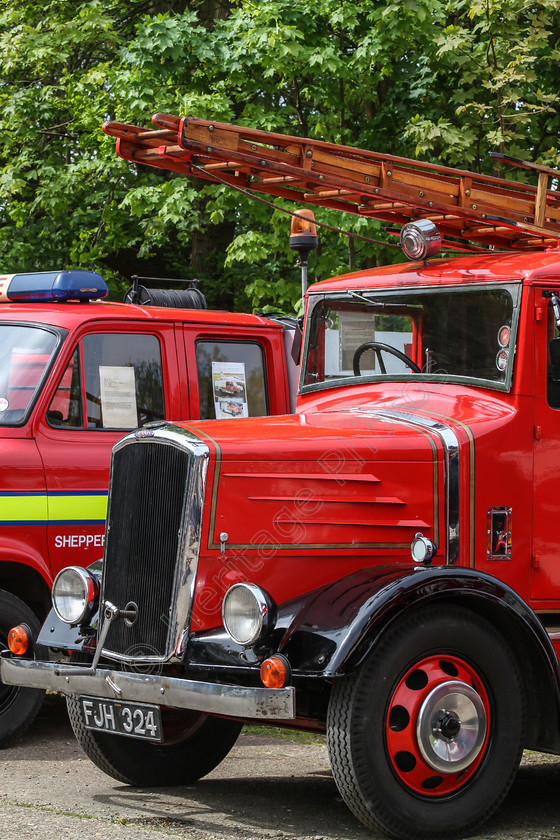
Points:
(267, 789)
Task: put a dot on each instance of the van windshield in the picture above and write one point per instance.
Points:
(25, 354)
(448, 334)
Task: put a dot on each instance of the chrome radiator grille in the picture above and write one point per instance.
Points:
(148, 560)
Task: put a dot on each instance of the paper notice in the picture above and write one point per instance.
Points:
(229, 387)
(118, 397)
(356, 328)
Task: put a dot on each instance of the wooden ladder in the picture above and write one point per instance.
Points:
(466, 207)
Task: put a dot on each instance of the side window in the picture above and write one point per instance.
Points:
(553, 366)
(113, 381)
(231, 379)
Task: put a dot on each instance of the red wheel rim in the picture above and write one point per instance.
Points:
(438, 723)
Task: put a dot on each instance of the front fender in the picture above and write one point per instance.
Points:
(335, 632)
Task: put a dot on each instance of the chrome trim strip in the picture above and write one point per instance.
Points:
(450, 446)
(231, 700)
(189, 545)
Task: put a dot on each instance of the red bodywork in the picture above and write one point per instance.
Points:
(396, 535)
(308, 498)
(55, 479)
(508, 441)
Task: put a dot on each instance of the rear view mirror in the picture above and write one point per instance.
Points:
(296, 346)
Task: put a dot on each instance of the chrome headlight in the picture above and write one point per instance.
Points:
(74, 594)
(247, 613)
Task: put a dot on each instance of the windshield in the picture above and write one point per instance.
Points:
(25, 353)
(433, 333)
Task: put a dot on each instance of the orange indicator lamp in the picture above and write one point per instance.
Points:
(274, 672)
(18, 639)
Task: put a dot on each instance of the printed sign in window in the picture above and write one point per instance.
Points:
(355, 329)
(229, 387)
(118, 397)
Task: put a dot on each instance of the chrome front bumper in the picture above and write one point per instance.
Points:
(230, 700)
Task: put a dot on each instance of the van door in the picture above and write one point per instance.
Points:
(234, 376)
(113, 382)
(545, 573)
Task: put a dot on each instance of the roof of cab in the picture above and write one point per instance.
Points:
(529, 266)
(72, 314)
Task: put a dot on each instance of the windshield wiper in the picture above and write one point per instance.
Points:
(381, 304)
(363, 298)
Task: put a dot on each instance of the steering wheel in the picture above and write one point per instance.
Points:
(378, 348)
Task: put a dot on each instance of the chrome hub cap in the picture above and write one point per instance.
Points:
(451, 727)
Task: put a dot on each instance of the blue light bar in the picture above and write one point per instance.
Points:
(39, 286)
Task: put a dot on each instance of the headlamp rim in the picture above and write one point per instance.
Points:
(91, 590)
(265, 610)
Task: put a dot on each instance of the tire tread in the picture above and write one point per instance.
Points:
(350, 764)
(149, 764)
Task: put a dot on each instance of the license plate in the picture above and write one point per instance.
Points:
(137, 720)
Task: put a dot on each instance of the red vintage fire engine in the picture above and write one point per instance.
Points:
(75, 375)
(381, 565)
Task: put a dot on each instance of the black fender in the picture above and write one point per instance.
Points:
(335, 631)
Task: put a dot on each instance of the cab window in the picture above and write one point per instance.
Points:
(26, 353)
(231, 379)
(553, 360)
(113, 381)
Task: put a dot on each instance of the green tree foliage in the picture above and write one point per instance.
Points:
(444, 80)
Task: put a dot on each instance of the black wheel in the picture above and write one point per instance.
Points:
(379, 348)
(18, 706)
(425, 739)
(194, 743)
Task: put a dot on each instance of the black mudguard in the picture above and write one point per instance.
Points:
(334, 632)
(345, 619)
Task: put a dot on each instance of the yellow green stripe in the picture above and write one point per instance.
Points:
(23, 508)
(42, 508)
(77, 508)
